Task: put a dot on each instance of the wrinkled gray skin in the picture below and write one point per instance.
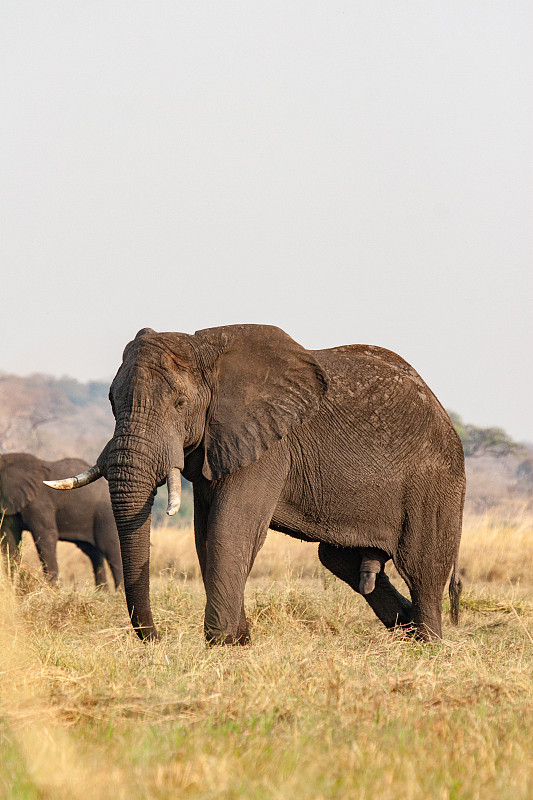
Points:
(346, 447)
(84, 518)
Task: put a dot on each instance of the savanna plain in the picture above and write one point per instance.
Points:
(325, 703)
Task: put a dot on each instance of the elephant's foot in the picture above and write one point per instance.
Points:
(407, 623)
(221, 631)
(241, 635)
(427, 623)
(227, 639)
(147, 633)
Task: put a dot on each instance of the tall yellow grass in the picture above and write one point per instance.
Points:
(324, 704)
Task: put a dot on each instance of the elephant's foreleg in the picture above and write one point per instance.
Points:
(10, 540)
(40, 520)
(242, 635)
(201, 515)
(46, 545)
(231, 524)
(392, 608)
(228, 565)
(236, 530)
(97, 561)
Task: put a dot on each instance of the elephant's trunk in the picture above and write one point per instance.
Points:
(134, 468)
(132, 511)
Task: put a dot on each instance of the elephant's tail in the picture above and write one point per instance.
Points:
(454, 590)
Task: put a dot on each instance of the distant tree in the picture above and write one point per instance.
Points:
(80, 394)
(483, 441)
(54, 417)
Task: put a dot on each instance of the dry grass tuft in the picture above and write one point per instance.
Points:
(498, 548)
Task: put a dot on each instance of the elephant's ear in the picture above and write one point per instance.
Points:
(264, 384)
(18, 482)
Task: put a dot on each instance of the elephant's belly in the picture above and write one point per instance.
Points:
(337, 491)
(354, 525)
(76, 535)
(74, 525)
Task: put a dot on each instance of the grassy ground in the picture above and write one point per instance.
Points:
(324, 704)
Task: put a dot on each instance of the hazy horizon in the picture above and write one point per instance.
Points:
(350, 172)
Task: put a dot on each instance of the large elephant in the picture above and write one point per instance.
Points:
(347, 447)
(86, 519)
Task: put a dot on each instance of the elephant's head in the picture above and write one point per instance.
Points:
(20, 477)
(225, 394)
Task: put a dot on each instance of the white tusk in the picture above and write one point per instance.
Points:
(82, 479)
(174, 491)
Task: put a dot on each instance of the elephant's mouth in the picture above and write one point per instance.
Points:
(173, 481)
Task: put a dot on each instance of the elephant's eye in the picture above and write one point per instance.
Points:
(181, 401)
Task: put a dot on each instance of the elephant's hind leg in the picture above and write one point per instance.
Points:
(392, 608)
(426, 552)
(106, 540)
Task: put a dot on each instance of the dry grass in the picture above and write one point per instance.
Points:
(324, 704)
(498, 547)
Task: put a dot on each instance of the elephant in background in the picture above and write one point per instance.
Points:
(347, 447)
(86, 519)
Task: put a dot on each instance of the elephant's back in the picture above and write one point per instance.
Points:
(68, 466)
(387, 402)
(19, 460)
(354, 363)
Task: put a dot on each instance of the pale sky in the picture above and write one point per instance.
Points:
(350, 171)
